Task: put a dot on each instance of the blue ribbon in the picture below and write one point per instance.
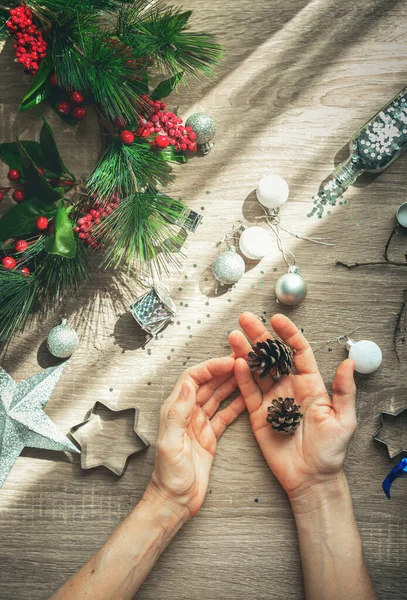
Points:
(396, 471)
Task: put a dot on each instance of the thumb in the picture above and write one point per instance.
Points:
(344, 393)
(175, 416)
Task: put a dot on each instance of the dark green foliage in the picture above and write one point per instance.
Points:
(126, 169)
(141, 230)
(17, 297)
(19, 220)
(62, 242)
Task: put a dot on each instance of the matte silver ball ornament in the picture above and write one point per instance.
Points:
(62, 340)
(291, 288)
(204, 127)
(228, 267)
(366, 355)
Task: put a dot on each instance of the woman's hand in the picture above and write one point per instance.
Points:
(317, 450)
(190, 426)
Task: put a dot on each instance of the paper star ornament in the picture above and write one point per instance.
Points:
(23, 422)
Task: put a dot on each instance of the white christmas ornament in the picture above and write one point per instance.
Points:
(255, 242)
(272, 191)
(366, 354)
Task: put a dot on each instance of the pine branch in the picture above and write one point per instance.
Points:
(141, 230)
(126, 169)
(18, 294)
(162, 32)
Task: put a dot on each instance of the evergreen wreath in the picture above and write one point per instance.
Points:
(99, 53)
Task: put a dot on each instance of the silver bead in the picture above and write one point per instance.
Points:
(204, 127)
(291, 288)
(62, 340)
(228, 267)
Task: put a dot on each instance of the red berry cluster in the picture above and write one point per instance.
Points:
(74, 105)
(30, 46)
(86, 225)
(168, 126)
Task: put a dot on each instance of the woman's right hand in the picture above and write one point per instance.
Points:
(317, 450)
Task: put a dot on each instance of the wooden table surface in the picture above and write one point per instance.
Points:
(298, 80)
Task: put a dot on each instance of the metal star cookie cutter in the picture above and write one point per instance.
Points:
(100, 437)
(393, 431)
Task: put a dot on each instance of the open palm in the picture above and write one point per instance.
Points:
(190, 426)
(320, 443)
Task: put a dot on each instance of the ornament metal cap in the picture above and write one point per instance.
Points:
(401, 215)
(349, 343)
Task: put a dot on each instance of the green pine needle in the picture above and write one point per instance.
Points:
(18, 294)
(141, 230)
(126, 169)
(162, 32)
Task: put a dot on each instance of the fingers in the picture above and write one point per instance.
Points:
(176, 415)
(251, 392)
(344, 393)
(304, 359)
(225, 417)
(211, 368)
(219, 395)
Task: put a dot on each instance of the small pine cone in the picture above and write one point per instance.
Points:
(272, 357)
(284, 415)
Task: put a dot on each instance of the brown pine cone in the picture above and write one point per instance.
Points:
(272, 357)
(284, 415)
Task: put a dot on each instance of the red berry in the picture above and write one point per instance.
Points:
(146, 132)
(76, 98)
(8, 262)
(120, 122)
(183, 146)
(192, 147)
(127, 137)
(14, 174)
(25, 271)
(76, 229)
(21, 246)
(192, 136)
(40, 170)
(64, 108)
(82, 236)
(188, 128)
(1, 196)
(41, 223)
(162, 141)
(79, 113)
(18, 195)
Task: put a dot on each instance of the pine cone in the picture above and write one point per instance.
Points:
(284, 415)
(272, 357)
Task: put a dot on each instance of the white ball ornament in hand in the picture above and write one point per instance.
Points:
(366, 355)
(272, 191)
(255, 242)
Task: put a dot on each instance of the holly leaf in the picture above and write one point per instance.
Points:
(172, 155)
(36, 184)
(20, 219)
(39, 86)
(50, 149)
(63, 241)
(10, 154)
(165, 88)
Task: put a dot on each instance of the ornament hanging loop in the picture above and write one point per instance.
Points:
(231, 237)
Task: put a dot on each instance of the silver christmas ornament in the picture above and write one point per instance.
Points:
(401, 215)
(23, 422)
(204, 127)
(291, 288)
(62, 340)
(228, 267)
(366, 355)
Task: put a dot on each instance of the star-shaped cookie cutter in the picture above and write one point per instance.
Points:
(397, 441)
(106, 450)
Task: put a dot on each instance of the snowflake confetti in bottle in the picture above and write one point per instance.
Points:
(372, 149)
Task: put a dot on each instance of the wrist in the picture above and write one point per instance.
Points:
(319, 492)
(164, 508)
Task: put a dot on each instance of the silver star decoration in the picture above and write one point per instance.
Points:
(23, 422)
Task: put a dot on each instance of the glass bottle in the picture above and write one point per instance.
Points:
(372, 149)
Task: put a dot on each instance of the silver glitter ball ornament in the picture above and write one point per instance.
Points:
(204, 127)
(228, 267)
(62, 340)
(291, 288)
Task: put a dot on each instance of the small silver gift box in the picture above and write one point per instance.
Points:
(154, 310)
